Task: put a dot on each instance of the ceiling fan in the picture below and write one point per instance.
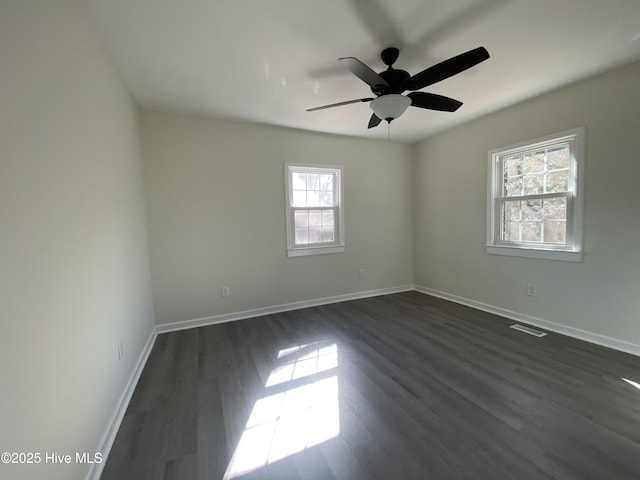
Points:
(388, 85)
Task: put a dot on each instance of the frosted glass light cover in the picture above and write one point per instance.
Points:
(390, 106)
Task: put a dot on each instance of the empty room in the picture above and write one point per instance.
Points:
(319, 240)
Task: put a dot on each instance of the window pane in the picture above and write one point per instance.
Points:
(301, 219)
(555, 232)
(302, 236)
(315, 218)
(533, 184)
(327, 217)
(313, 189)
(315, 234)
(512, 166)
(532, 210)
(513, 186)
(299, 198)
(531, 231)
(327, 234)
(558, 181)
(523, 220)
(326, 182)
(511, 231)
(558, 157)
(534, 162)
(299, 181)
(512, 210)
(313, 181)
(314, 226)
(555, 209)
(326, 198)
(313, 198)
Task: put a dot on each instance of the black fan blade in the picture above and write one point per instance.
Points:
(431, 101)
(339, 104)
(374, 121)
(447, 69)
(363, 72)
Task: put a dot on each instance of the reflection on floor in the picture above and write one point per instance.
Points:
(631, 382)
(295, 417)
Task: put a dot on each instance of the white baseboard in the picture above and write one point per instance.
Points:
(580, 334)
(112, 428)
(258, 312)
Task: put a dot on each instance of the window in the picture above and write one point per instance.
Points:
(314, 209)
(534, 205)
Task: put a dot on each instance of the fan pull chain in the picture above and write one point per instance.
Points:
(389, 131)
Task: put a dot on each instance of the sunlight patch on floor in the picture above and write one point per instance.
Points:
(309, 361)
(287, 422)
(631, 382)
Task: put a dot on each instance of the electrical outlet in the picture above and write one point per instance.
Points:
(225, 291)
(120, 349)
(361, 273)
(531, 289)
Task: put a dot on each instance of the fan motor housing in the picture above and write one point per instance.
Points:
(396, 80)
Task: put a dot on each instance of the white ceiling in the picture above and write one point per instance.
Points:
(268, 60)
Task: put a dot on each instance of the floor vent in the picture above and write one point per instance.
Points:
(528, 330)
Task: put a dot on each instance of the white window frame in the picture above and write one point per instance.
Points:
(338, 245)
(572, 250)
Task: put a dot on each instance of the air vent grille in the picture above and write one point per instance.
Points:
(530, 331)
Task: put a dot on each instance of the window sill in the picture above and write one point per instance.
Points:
(302, 252)
(540, 253)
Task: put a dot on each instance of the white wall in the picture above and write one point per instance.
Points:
(600, 295)
(215, 202)
(74, 266)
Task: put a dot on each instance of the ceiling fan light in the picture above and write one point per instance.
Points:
(391, 106)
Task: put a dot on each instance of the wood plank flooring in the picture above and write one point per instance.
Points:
(402, 386)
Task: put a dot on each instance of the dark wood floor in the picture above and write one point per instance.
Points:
(401, 386)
